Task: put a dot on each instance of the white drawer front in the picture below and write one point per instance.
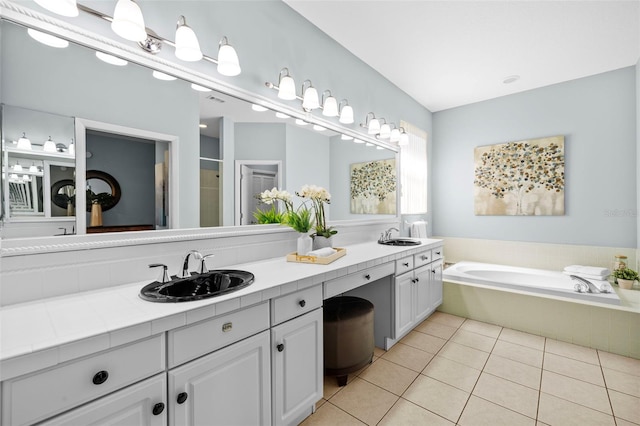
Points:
(349, 282)
(32, 398)
(295, 304)
(422, 259)
(198, 339)
(404, 265)
(437, 253)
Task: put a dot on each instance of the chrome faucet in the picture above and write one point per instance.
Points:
(185, 264)
(584, 286)
(386, 236)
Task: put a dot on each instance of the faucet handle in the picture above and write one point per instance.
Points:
(164, 278)
(203, 266)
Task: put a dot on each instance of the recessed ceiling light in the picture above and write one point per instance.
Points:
(258, 108)
(511, 79)
(202, 126)
(110, 59)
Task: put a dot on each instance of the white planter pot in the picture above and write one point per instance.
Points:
(305, 244)
(321, 242)
(625, 284)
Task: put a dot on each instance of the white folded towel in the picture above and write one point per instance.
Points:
(588, 270)
(418, 229)
(323, 252)
(587, 276)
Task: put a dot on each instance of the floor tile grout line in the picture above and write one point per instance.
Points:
(604, 379)
(544, 351)
(346, 412)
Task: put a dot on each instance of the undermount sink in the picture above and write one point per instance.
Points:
(400, 242)
(198, 286)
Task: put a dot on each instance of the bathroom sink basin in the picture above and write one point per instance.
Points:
(400, 242)
(197, 287)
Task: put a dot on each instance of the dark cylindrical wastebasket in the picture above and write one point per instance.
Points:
(348, 336)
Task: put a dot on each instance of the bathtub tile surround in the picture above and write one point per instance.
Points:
(524, 379)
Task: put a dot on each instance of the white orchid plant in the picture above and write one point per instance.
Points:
(271, 197)
(318, 197)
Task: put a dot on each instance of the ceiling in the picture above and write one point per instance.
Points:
(450, 53)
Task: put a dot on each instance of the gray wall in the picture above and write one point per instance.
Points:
(597, 115)
(638, 160)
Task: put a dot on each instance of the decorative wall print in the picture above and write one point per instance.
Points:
(373, 187)
(524, 178)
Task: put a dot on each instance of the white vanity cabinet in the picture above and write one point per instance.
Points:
(228, 387)
(141, 404)
(38, 396)
(418, 289)
(296, 360)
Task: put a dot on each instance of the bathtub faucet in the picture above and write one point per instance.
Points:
(584, 286)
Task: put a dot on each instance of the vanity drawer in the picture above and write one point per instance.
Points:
(437, 253)
(422, 259)
(198, 339)
(35, 397)
(295, 304)
(404, 265)
(349, 282)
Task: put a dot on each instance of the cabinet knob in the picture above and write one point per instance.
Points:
(100, 377)
(158, 408)
(302, 303)
(438, 253)
(368, 276)
(280, 347)
(406, 264)
(433, 270)
(425, 257)
(417, 280)
(182, 397)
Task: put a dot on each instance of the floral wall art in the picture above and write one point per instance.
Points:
(524, 178)
(373, 187)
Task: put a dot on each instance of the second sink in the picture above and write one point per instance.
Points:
(200, 286)
(400, 242)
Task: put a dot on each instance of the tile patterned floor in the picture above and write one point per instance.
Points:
(452, 370)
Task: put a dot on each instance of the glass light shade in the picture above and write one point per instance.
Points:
(301, 122)
(404, 139)
(330, 107)
(47, 39)
(379, 147)
(258, 108)
(26, 178)
(128, 22)
(199, 88)
(346, 115)
(49, 145)
(202, 126)
(13, 176)
(282, 115)
(187, 46)
(395, 135)
(33, 168)
(17, 168)
(162, 76)
(318, 128)
(368, 144)
(358, 141)
(310, 99)
(374, 127)
(110, 59)
(287, 88)
(346, 137)
(228, 63)
(24, 143)
(61, 7)
(385, 131)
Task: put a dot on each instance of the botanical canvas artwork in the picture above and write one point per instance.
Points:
(524, 178)
(373, 187)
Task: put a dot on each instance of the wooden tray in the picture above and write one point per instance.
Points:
(293, 257)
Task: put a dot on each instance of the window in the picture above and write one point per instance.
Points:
(413, 171)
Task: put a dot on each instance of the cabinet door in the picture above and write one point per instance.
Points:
(435, 285)
(423, 300)
(297, 367)
(228, 387)
(141, 404)
(404, 304)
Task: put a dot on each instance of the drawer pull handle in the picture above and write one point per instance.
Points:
(368, 276)
(406, 264)
(182, 397)
(433, 270)
(413, 280)
(158, 408)
(438, 253)
(302, 303)
(227, 326)
(426, 257)
(100, 377)
(280, 347)
(417, 280)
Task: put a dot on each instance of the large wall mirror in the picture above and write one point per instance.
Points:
(174, 181)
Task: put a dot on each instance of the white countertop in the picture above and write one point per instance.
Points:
(46, 332)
